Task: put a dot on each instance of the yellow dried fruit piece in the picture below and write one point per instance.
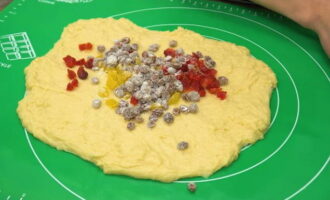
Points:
(112, 103)
(104, 93)
(116, 77)
(174, 99)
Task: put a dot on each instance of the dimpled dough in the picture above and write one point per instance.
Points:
(67, 121)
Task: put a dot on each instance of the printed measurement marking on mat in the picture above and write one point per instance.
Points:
(5, 65)
(17, 46)
(9, 197)
(65, 1)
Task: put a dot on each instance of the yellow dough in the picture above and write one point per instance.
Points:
(67, 121)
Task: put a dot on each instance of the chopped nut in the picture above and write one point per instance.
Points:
(183, 146)
(112, 60)
(171, 70)
(168, 118)
(184, 109)
(138, 119)
(130, 126)
(95, 80)
(125, 40)
(191, 96)
(134, 46)
(191, 187)
(101, 48)
(210, 63)
(176, 111)
(96, 103)
(223, 80)
(153, 47)
(173, 43)
(151, 124)
(193, 108)
(95, 69)
(128, 114)
(199, 54)
(119, 92)
(180, 51)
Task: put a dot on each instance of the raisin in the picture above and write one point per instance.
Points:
(82, 74)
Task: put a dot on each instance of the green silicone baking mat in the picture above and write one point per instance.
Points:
(290, 163)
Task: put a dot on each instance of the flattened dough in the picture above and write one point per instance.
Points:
(67, 121)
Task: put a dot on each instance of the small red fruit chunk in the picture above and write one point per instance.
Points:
(170, 52)
(69, 61)
(214, 90)
(69, 87)
(72, 85)
(211, 72)
(134, 101)
(184, 68)
(202, 92)
(71, 74)
(74, 82)
(85, 46)
(222, 95)
(89, 63)
(82, 74)
(81, 62)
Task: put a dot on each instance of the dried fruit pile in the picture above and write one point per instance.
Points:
(147, 83)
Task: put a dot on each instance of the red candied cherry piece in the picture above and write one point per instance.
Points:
(82, 74)
(200, 63)
(195, 85)
(89, 46)
(222, 95)
(69, 61)
(214, 84)
(89, 63)
(184, 68)
(179, 77)
(193, 61)
(202, 92)
(134, 101)
(85, 46)
(170, 52)
(186, 83)
(211, 72)
(214, 90)
(81, 62)
(191, 74)
(74, 82)
(206, 82)
(71, 74)
(69, 87)
(165, 72)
